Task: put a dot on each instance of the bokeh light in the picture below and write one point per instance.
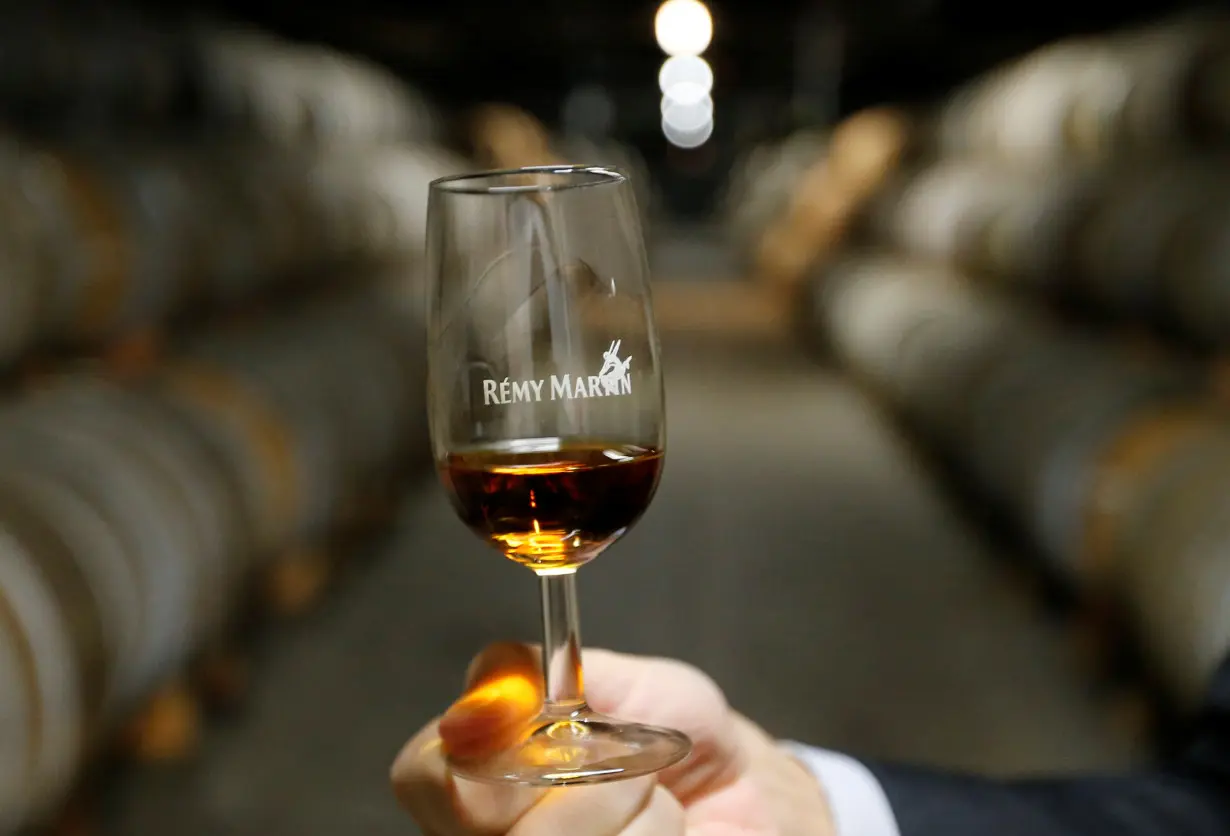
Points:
(683, 27)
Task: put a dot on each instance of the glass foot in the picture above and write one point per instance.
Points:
(583, 748)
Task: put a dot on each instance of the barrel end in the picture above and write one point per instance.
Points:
(167, 729)
(296, 583)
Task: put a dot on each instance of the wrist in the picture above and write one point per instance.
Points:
(795, 795)
(857, 802)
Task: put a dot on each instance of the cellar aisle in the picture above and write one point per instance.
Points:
(795, 551)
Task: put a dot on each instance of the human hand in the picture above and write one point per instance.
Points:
(737, 781)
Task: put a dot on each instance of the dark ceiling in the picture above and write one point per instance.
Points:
(527, 49)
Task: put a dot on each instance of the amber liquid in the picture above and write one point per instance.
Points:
(552, 505)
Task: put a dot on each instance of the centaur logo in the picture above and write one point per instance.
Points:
(613, 380)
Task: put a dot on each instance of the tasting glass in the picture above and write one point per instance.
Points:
(547, 420)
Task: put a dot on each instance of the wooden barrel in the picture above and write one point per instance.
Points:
(292, 93)
(1061, 449)
(1090, 98)
(19, 705)
(300, 382)
(368, 412)
(21, 291)
(341, 204)
(866, 147)
(1025, 408)
(1015, 226)
(351, 99)
(1166, 63)
(1036, 394)
(395, 329)
(252, 223)
(919, 333)
(30, 509)
(938, 213)
(373, 412)
(110, 577)
(241, 429)
(812, 226)
(46, 735)
(278, 184)
(304, 408)
(387, 190)
(82, 249)
(1021, 113)
(203, 515)
(224, 234)
(1196, 290)
(155, 207)
(139, 510)
(1027, 240)
(868, 303)
(1121, 250)
(1175, 571)
(349, 402)
(505, 136)
(257, 231)
(761, 184)
(948, 357)
(1018, 380)
(284, 382)
(246, 81)
(829, 194)
(1128, 468)
(1186, 617)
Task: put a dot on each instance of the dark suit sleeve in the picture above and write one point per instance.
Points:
(1189, 796)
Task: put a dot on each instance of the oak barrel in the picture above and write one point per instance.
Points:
(1175, 572)
(48, 734)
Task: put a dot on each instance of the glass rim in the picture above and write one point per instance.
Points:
(468, 183)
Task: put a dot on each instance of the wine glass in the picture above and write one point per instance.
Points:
(547, 420)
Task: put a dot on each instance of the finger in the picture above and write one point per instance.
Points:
(596, 810)
(663, 816)
(422, 784)
(445, 806)
(502, 656)
(665, 692)
(503, 696)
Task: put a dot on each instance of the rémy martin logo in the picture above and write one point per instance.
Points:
(611, 381)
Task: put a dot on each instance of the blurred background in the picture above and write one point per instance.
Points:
(943, 289)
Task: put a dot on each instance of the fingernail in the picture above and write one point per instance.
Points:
(491, 716)
(475, 708)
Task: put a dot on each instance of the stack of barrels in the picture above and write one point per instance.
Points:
(790, 203)
(99, 242)
(80, 69)
(293, 92)
(142, 505)
(993, 282)
(134, 516)
(762, 183)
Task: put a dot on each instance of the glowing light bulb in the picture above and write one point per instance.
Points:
(683, 27)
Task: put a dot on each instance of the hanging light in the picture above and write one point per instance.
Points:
(685, 78)
(683, 27)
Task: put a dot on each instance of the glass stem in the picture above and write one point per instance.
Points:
(561, 645)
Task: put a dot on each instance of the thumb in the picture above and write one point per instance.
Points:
(675, 695)
(503, 695)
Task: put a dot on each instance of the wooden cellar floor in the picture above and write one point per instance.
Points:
(796, 551)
